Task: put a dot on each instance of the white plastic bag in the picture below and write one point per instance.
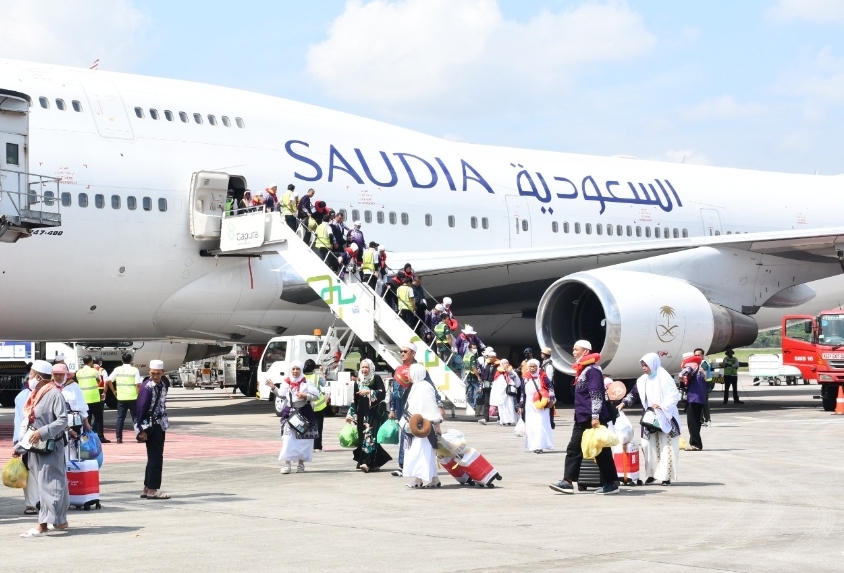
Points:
(623, 429)
(520, 430)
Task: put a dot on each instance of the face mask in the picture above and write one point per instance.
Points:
(474, 350)
(32, 382)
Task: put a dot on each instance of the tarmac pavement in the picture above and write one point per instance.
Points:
(762, 496)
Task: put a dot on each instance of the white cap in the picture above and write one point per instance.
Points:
(409, 345)
(59, 358)
(382, 248)
(469, 330)
(584, 344)
(156, 365)
(42, 367)
(439, 307)
(489, 351)
(357, 223)
(354, 247)
(446, 301)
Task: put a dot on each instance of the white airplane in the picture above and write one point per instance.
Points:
(653, 256)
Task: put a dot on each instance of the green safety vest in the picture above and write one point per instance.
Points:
(124, 383)
(404, 293)
(229, 205)
(731, 366)
(319, 404)
(440, 333)
(323, 236)
(469, 361)
(369, 261)
(86, 377)
(288, 204)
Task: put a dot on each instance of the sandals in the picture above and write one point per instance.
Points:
(364, 468)
(434, 484)
(34, 533)
(415, 485)
(30, 511)
(158, 495)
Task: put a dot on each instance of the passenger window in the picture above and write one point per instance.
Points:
(131, 203)
(153, 113)
(685, 233)
(405, 219)
(629, 231)
(139, 112)
(83, 199)
(484, 223)
(393, 218)
(76, 105)
(162, 204)
(99, 201)
(717, 233)
(197, 118)
(355, 215)
(115, 201)
(599, 229)
(212, 120)
(729, 232)
(367, 216)
(60, 104)
(226, 121)
(609, 230)
(168, 115)
(524, 225)
(342, 212)
(588, 228)
(379, 216)
(638, 231)
(147, 204)
(473, 222)
(676, 233)
(451, 220)
(275, 352)
(49, 198)
(45, 103)
(555, 228)
(428, 220)
(66, 199)
(239, 122)
(619, 230)
(566, 227)
(183, 116)
(656, 232)
(577, 228)
(12, 154)
(648, 232)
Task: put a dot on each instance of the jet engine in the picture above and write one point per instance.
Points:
(626, 314)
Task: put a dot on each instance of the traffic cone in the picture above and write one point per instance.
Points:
(839, 402)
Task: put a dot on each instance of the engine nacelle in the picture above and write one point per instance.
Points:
(626, 314)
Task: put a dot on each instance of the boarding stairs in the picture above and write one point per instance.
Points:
(29, 203)
(358, 305)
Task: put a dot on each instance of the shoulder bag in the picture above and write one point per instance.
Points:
(296, 420)
(42, 447)
(650, 421)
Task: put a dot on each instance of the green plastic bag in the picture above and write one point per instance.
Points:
(389, 432)
(15, 474)
(596, 439)
(349, 436)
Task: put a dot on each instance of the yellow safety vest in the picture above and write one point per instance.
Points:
(124, 383)
(86, 377)
(369, 261)
(323, 236)
(404, 293)
(319, 404)
(288, 204)
(731, 366)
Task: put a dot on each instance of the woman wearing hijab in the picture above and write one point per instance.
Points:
(660, 448)
(535, 402)
(504, 376)
(45, 411)
(420, 460)
(368, 411)
(296, 394)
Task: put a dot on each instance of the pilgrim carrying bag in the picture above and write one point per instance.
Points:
(512, 390)
(649, 421)
(298, 422)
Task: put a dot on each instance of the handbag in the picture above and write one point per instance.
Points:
(650, 421)
(512, 390)
(298, 422)
(42, 447)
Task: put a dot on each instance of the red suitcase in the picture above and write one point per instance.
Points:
(453, 468)
(478, 468)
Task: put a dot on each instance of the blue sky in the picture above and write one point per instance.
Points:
(755, 84)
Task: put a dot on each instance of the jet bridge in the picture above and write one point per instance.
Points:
(355, 303)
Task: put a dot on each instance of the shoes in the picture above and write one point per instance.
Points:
(415, 484)
(119, 440)
(364, 468)
(396, 473)
(300, 469)
(607, 489)
(692, 449)
(738, 402)
(537, 451)
(287, 469)
(756, 383)
(104, 440)
(482, 421)
(562, 486)
(666, 482)
(649, 481)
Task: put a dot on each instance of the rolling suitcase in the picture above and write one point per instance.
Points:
(452, 466)
(589, 475)
(627, 463)
(478, 468)
(83, 484)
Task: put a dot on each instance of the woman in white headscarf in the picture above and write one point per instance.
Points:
(534, 404)
(505, 379)
(420, 460)
(296, 394)
(368, 411)
(660, 448)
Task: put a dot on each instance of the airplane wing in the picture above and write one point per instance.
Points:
(513, 280)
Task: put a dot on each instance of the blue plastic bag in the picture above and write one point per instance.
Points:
(389, 432)
(100, 460)
(89, 446)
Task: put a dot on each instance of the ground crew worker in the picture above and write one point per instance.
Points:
(473, 375)
(313, 374)
(407, 304)
(127, 381)
(324, 239)
(731, 366)
(442, 333)
(289, 208)
(230, 204)
(88, 379)
(368, 266)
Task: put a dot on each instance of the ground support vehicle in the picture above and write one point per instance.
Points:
(815, 346)
(770, 369)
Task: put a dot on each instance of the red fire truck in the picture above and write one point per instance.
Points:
(815, 345)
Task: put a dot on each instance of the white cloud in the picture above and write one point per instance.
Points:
(72, 32)
(724, 107)
(429, 52)
(685, 156)
(795, 141)
(816, 11)
(820, 80)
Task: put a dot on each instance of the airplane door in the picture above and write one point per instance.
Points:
(107, 106)
(14, 127)
(518, 221)
(711, 222)
(207, 201)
